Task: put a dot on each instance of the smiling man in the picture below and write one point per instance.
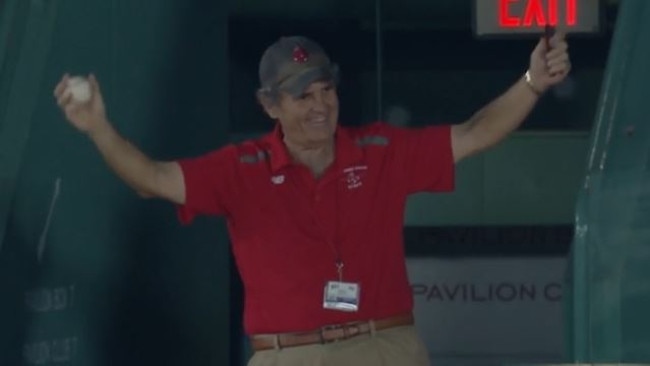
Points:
(301, 96)
(314, 209)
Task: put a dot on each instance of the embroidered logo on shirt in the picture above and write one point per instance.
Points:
(353, 176)
(277, 179)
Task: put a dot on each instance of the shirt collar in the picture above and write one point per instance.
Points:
(347, 152)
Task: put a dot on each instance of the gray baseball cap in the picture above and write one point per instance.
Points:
(291, 64)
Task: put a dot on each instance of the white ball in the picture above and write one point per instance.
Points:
(79, 87)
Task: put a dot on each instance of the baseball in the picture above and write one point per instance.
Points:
(79, 87)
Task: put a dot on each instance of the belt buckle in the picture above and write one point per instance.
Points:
(349, 330)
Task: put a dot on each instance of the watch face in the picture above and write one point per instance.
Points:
(494, 18)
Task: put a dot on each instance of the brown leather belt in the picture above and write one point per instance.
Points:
(327, 334)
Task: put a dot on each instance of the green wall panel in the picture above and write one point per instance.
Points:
(95, 275)
(609, 273)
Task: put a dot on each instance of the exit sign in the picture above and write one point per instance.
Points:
(521, 17)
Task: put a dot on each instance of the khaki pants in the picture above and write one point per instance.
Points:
(399, 346)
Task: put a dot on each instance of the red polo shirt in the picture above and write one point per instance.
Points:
(287, 228)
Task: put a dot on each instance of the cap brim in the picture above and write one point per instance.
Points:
(297, 84)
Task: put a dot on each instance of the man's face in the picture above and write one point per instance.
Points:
(309, 118)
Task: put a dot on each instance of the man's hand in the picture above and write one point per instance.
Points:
(83, 116)
(147, 177)
(549, 66)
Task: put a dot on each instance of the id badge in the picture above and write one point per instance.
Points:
(342, 296)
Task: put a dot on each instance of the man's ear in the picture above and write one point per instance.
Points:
(269, 102)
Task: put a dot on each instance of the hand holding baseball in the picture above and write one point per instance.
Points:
(81, 101)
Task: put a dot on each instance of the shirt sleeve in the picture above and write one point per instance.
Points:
(208, 184)
(425, 159)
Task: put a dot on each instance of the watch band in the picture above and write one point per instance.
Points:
(531, 85)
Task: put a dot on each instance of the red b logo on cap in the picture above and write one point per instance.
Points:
(300, 55)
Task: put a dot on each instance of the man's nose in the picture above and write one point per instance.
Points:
(319, 102)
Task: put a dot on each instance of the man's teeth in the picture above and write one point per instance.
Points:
(317, 120)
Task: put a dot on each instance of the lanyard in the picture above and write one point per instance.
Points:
(331, 243)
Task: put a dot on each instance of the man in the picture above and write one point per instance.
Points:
(315, 210)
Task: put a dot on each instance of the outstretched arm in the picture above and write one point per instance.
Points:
(495, 121)
(148, 177)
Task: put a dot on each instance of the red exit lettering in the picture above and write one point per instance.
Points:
(535, 14)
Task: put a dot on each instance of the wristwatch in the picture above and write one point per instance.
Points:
(529, 82)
